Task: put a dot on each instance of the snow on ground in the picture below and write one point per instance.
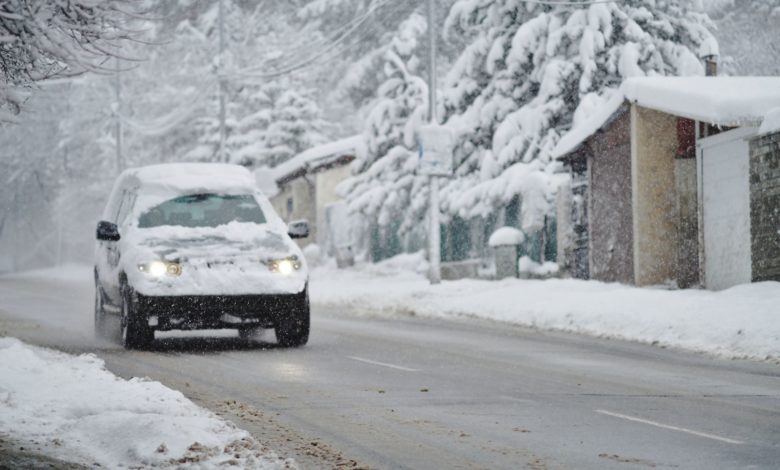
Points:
(741, 322)
(74, 409)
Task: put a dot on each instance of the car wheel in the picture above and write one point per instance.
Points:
(136, 332)
(293, 329)
(100, 314)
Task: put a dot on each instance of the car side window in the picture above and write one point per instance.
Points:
(128, 199)
(119, 205)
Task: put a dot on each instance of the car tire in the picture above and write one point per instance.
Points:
(101, 329)
(247, 333)
(135, 331)
(292, 331)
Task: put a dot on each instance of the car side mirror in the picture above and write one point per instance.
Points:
(107, 231)
(298, 229)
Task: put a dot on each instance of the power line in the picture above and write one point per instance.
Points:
(305, 62)
(325, 39)
(569, 3)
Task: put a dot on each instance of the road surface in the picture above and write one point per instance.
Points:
(406, 392)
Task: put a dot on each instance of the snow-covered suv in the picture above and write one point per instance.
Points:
(197, 246)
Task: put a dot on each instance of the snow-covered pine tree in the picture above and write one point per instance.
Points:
(532, 70)
(294, 127)
(268, 120)
(384, 184)
(747, 25)
(528, 72)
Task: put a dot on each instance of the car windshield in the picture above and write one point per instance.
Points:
(203, 210)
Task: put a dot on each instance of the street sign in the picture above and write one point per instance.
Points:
(435, 151)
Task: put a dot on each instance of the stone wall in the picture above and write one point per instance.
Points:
(765, 206)
(609, 209)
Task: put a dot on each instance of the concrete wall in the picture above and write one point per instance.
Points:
(610, 213)
(687, 222)
(302, 193)
(653, 147)
(765, 207)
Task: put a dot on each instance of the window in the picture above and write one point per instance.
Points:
(289, 205)
(128, 199)
(203, 210)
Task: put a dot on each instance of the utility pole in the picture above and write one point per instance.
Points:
(434, 247)
(118, 116)
(221, 78)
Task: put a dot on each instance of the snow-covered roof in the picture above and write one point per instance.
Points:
(264, 176)
(320, 155)
(577, 136)
(722, 101)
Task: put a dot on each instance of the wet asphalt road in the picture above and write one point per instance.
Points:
(413, 393)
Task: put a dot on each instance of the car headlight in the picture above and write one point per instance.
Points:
(160, 268)
(285, 266)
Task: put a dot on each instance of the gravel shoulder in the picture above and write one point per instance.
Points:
(15, 455)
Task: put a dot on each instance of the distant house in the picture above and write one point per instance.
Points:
(672, 182)
(307, 187)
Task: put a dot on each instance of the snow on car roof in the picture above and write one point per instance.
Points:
(158, 183)
(723, 101)
(194, 176)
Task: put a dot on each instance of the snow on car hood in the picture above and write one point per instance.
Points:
(235, 240)
(230, 259)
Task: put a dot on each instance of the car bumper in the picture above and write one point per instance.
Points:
(193, 312)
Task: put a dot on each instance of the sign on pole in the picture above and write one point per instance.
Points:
(435, 150)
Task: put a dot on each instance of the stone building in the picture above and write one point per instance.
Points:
(660, 189)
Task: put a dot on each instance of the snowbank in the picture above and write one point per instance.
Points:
(771, 122)
(72, 408)
(529, 266)
(738, 322)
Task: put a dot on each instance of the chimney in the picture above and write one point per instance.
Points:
(708, 52)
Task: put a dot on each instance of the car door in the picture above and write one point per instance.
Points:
(112, 251)
(102, 268)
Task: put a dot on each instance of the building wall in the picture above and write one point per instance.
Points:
(610, 212)
(765, 207)
(325, 193)
(302, 193)
(687, 223)
(653, 148)
(579, 215)
(565, 235)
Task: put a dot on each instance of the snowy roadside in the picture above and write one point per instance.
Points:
(741, 322)
(71, 408)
